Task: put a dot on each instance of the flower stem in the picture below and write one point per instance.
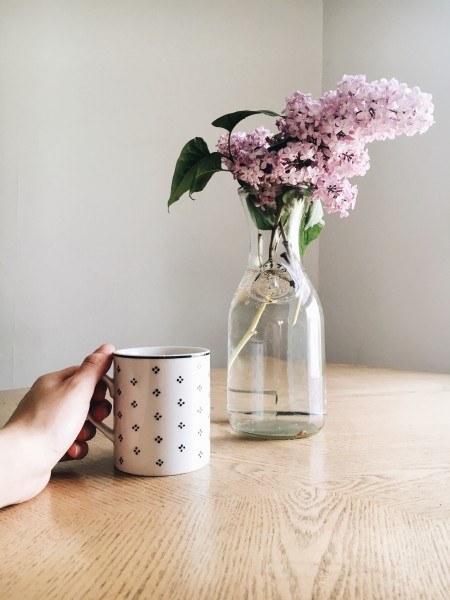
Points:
(259, 249)
(250, 332)
(297, 310)
(229, 147)
(285, 242)
(274, 229)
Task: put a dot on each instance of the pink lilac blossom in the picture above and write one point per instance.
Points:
(321, 143)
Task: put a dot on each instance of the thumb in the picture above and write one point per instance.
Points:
(95, 366)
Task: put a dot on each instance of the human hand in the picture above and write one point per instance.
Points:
(49, 418)
(99, 408)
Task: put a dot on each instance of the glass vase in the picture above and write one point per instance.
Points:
(275, 383)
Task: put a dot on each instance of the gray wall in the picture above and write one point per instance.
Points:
(97, 98)
(385, 271)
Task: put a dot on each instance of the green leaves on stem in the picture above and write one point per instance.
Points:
(196, 164)
(230, 121)
(309, 235)
(311, 225)
(195, 167)
(263, 219)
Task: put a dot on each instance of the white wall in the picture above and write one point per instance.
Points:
(97, 98)
(385, 271)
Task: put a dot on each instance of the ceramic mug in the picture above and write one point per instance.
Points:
(161, 410)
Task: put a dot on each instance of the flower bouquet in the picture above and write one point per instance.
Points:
(288, 180)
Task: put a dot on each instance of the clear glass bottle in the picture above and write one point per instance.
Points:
(275, 387)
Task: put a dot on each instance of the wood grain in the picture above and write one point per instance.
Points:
(359, 511)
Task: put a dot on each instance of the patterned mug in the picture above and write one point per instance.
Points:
(161, 410)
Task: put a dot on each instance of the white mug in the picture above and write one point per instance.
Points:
(161, 410)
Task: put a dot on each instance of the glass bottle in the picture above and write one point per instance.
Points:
(275, 383)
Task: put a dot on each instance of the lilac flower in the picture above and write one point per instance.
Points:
(321, 143)
(336, 195)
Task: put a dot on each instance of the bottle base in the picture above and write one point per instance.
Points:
(276, 425)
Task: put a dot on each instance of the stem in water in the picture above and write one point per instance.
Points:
(250, 332)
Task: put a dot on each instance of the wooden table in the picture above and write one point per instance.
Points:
(361, 510)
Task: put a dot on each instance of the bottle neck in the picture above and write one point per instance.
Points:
(274, 241)
(274, 263)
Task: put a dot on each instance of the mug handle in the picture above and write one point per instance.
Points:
(107, 431)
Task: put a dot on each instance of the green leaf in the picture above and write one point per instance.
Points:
(195, 167)
(191, 154)
(308, 235)
(230, 121)
(263, 219)
(205, 170)
(314, 215)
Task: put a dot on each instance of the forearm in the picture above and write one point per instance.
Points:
(21, 475)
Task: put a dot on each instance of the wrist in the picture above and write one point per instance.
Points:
(25, 472)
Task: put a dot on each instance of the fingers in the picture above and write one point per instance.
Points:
(87, 432)
(88, 376)
(100, 410)
(77, 451)
(79, 448)
(95, 365)
(99, 392)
